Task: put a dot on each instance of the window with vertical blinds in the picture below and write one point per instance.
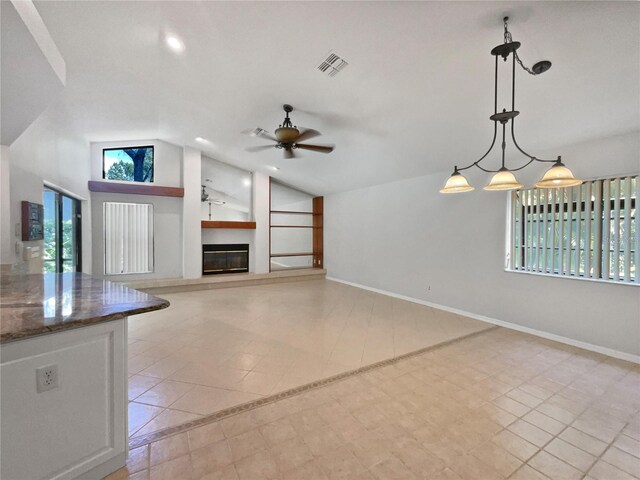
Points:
(588, 231)
(128, 238)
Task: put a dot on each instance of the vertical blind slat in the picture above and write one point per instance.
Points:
(525, 231)
(537, 232)
(606, 229)
(545, 245)
(561, 216)
(636, 241)
(569, 193)
(530, 230)
(579, 237)
(627, 230)
(553, 229)
(518, 230)
(512, 212)
(616, 230)
(597, 225)
(588, 222)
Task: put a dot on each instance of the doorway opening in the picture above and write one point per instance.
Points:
(62, 232)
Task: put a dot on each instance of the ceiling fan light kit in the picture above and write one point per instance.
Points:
(287, 137)
(557, 176)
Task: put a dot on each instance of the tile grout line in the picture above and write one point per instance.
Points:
(557, 436)
(228, 412)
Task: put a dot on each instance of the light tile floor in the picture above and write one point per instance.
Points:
(499, 404)
(215, 349)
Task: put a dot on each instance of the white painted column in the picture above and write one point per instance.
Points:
(7, 253)
(191, 229)
(261, 216)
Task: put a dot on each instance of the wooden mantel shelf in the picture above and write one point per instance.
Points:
(135, 189)
(223, 224)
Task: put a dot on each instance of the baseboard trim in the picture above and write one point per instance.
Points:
(629, 357)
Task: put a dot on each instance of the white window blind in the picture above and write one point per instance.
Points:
(128, 238)
(588, 231)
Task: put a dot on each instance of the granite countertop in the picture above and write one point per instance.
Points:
(37, 304)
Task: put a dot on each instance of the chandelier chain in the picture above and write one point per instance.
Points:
(509, 39)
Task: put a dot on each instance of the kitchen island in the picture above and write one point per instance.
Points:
(63, 373)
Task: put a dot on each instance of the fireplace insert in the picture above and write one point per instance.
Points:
(225, 258)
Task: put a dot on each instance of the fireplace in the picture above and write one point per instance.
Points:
(225, 258)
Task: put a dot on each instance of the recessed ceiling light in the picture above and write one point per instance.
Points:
(202, 140)
(174, 43)
(274, 168)
(246, 182)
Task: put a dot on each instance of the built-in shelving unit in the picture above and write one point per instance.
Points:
(295, 231)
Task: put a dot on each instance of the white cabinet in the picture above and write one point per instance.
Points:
(78, 428)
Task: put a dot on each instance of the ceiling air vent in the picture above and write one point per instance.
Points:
(333, 64)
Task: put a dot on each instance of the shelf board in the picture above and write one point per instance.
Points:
(308, 254)
(291, 226)
(292, 212)
(227, 224)
(135, 189)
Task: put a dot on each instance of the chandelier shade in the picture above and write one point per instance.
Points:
(457, 183)
(557, 176)
(503, 180)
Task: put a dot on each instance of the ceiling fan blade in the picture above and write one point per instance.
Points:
(259, 132)
(306, 134)
(288, 153)
(259, 148)
(315, 148)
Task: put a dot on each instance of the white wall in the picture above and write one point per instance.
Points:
(33, 71)
(261, 217)
(191, 223)
(167, 235)
(228, 184)
(407, 238)
(46, 153)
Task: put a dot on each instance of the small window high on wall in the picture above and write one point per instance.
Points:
(589, 231)
(130, 164)
(128, 238)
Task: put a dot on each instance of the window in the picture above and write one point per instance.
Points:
(128, 238)
(131, 164)
(62, 223)
(589, 231)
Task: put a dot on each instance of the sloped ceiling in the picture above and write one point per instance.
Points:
(415, 98)
(31, 77)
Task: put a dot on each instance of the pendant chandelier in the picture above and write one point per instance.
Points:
(504, 179)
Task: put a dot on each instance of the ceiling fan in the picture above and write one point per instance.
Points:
(288, 137)
(205, 197)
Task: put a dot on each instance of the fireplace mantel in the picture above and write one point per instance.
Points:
(225, 224)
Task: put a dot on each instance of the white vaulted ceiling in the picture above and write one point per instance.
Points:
(414, 100)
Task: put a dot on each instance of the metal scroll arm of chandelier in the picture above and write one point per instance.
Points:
(504, 179)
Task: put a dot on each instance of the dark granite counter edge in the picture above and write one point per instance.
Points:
(81, 322)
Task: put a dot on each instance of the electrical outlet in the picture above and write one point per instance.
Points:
(46, 378)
